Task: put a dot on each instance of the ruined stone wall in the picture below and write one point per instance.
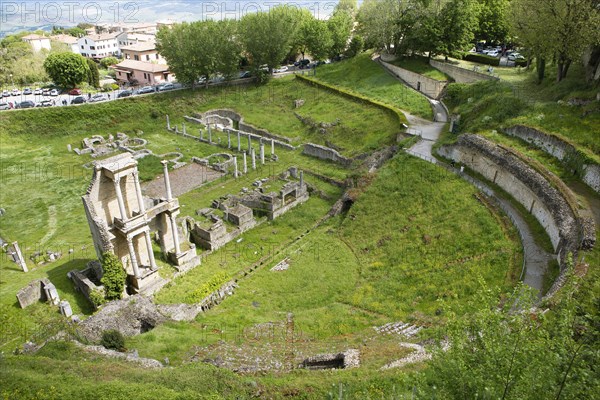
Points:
(430, 87)
(32, 293)
(460, 75)
(524, 184)
(326, 153)
(586, 169)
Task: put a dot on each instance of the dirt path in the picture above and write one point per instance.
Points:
(182, 180)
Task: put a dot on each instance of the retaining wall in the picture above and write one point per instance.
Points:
(326, 153)
(525, 185)
(460, 75)
(428, 86)
(579, 163)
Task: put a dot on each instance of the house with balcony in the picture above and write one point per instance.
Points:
(143, 51)
(142, 73)
(130, 38)
(99, 46)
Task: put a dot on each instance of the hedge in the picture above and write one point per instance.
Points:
(356, 97)
(483, 59)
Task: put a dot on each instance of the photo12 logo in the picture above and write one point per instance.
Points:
(67, 12)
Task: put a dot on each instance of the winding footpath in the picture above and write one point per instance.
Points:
(535, 257)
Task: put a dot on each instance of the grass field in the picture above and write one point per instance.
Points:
(364, 76)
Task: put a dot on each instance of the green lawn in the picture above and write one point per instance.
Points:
(364, 76)
(420, 65)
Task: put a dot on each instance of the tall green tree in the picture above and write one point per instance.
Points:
(267, 37)
(93, 74)
(315, 38)
(566, 27)
(494, 23)
(66, 69)
(457, 23)
(340, 26)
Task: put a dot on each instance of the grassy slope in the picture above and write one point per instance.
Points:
(420, 65)
(518, 99)
(364, 76)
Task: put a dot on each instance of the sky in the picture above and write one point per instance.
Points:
(18, 15)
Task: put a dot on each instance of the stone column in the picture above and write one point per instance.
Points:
(235, 166)
(245, 164)
(262, 153)
(249, 143)
(239, 141)
(120, 199)
(228, 139)
(176, 129)
(20, 259)
(138, 192)
(150, 252)
(301, 179)
(134, 263)
(272, 147)
(253, 156)
(167, 181)
(201, 135)
(209, 134)
(175, 234)
(168, 123)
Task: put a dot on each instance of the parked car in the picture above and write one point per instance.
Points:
(45, 92)
(245, 74)
(146, 89)
(493, 53)
(302, 63)
(4, 106)
(215, 79)
(125, 93)
(25, 104)
(75, 92)
(37, 91)
(45, 103)
(27, 91)
(280, 69)
(5, 93)
(515, 57)
(167, 86)
(78, 100)
(54, 92)
(98, 97)
(16, 92)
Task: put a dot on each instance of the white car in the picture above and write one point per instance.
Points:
(280, 69)
(16, 92)
(54, 92)
(97, 98)
(4, 106)
(493, 53)
(515, 57)
(37, 91)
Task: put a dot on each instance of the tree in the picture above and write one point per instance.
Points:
(355, 47)
(200, 49)
(315, 38)
(494, 24)
(457, 23)
(565, 28)
(267, 37)
(340, 26)
(66, 69)
(93, 77)
(113, 277)
(108, 61)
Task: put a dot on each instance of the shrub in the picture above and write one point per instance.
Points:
(483, 59)
(114, 277)
(113, 339)
(108, 61)
(213, 284)
(97, 297)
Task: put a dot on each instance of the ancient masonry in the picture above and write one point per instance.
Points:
(121, 222)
